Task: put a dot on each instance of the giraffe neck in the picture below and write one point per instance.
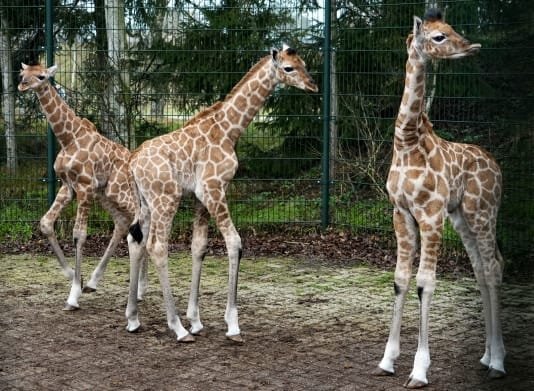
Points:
(409, 119)
(248, 96)
(60, 116)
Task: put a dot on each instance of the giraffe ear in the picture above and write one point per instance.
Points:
(52, 70)
(409, 40)
(24, 66)
(417, 23)
(274, 54)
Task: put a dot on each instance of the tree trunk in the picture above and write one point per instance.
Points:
(119, 82)
(157, 29)
(334, 137)
(8, 97)
(157, 106)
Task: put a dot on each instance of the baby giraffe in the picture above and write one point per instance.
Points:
(201, 158)
(90, 167)
(429, 179)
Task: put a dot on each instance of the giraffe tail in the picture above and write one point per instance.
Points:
(500, 260)
(136, 232)
(135, 229)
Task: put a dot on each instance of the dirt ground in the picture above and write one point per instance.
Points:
(307, 325)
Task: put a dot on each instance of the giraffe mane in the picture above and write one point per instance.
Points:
(245, 78)
(427, 126)
(204, 113)
(217, 105)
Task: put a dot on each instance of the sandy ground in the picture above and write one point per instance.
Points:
(307, 326)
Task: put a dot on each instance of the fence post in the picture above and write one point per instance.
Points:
(325, 162)
(51, 139)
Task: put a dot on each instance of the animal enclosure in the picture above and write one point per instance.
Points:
(308, 161)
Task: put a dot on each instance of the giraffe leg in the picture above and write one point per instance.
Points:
(233, 246)
(120, 230)
(497, 351)
(489, 285)
(406, 234)
(63, 197)
(162, 213)
(198, 250)
(496, 365)
(218, 209)
(143, 276)
(79, 235)
(137, 239)
(431, 233)
(487, 264)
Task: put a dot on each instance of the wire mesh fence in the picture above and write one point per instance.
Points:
(139, 69)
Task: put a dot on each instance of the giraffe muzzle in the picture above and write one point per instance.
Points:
(312, 86)
(474, 48)
(469, 50)
(23, 86)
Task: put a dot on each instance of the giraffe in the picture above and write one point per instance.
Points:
(90, 167)
(201, 158)
(430, 179)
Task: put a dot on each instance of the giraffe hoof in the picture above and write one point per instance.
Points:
(414, 383)
(188, 338)
(88, 289)
(69, 307)
(133, 327)
(381, 372)
(235, 338)
(495, 374)
(200, 333)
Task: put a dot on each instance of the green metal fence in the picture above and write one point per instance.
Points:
(313, 160)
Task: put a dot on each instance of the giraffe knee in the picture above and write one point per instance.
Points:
(236, 241)
(493, 274)
(199, 247)
(400, 287)
(79, 235)
(234, 248)
(401, 282)
(46, 227)
(158, 252)
(420, 290)
(199, 252)
(425, 285)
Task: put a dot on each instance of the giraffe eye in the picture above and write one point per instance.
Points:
(288, 69)
(41, 77)
(438, 38)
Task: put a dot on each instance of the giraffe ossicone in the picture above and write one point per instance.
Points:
(200, 158)
(431, 179)
(90, 167)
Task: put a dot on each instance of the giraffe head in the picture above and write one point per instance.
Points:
(432, 38)
(291, 69)
(33, 77)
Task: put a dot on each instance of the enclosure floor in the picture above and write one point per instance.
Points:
(305, 327)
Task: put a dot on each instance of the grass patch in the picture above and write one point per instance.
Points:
(370, 214)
